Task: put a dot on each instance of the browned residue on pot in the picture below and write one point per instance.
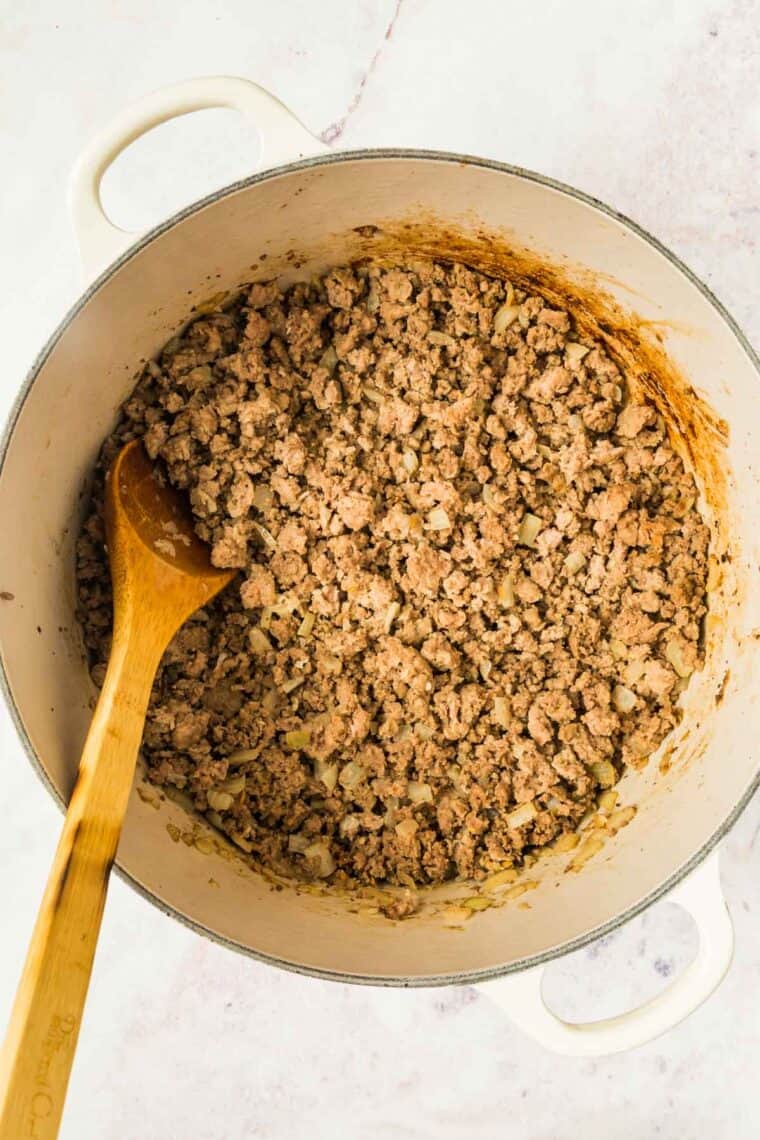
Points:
(722, 688)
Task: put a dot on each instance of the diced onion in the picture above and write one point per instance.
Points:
(373, 300)
(298, 738)
(484, 668)
(219, 801)
(391, 807)
(567, 841)
(306, 626)
(414, 526)
(633, 672)
(607, 800)
(438, 519)
(605, 773)
(489, 498)
(505, 316)
(319, 853)
(575, 352)
(298, 843)
(575, 561)
(406, 829)
(419, 793)
(266, 536)
(521, 815)
(326, 773)
(621, 818)
(441, 338)
(501, 878)
(242, 755)
(477, 902)
(292, 684)
(348, 826)
(675, 656)
(529, 530)
(200, 376)
(329, 359)
(618, 649)
(285, 605)
(410, 461)
(351, 775)
(623, 699)
(591, 846)
(506, 592)
(521, 888)
(394, 609)
(501, 712)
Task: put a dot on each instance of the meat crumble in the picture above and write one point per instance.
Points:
(472, 573)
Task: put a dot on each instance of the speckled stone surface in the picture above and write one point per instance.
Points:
(652, 107)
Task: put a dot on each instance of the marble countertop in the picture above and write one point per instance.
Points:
(652, 107)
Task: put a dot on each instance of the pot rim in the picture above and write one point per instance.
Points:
(370, 154)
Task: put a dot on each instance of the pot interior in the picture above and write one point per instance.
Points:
(676, 347)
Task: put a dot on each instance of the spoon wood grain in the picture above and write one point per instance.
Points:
(161, 574)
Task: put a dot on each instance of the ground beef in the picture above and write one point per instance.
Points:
(472, 573)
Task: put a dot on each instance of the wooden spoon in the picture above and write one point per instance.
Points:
(161, 574)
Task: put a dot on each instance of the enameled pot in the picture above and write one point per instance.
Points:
(308, 209)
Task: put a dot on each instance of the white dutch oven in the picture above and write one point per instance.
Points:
(310, 209)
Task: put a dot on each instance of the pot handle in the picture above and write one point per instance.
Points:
(520, 995)
(283, 139)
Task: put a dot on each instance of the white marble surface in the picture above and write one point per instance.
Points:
(653, 107)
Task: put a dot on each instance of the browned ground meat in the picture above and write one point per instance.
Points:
(472, 574)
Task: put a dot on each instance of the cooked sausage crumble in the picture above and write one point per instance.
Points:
(472, 573)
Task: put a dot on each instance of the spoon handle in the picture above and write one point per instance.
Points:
(39, 1047)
